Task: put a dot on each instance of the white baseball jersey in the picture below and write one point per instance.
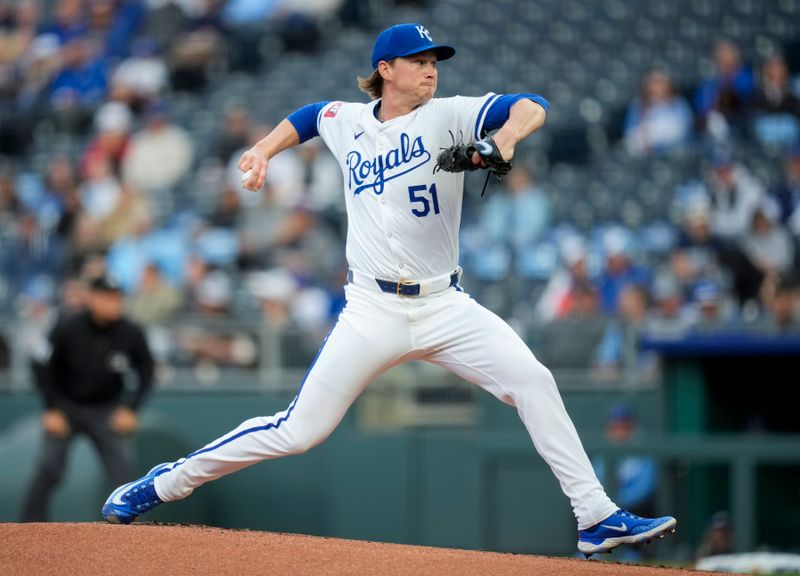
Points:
(403, 219)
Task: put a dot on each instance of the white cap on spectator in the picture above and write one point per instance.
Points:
(275, 284)
(697, 206)
(573, 250)
(215, 289)
(616, 242)
(44, 46)
(113, 117)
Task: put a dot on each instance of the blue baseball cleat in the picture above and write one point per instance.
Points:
(622, 528)
(133, 499)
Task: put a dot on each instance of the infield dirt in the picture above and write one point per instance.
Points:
(99, 549)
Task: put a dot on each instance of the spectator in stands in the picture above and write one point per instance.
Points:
(17, 46)
(209, 290)
(300, 25)
(273, 291)
(619, 352)
(17, 36)
(668, 318)
(635, 477)
(218, 247)
(702, 255)
(782, 318)
(166, 21)
(61, 186)
(787, 191)
(141, 79)
(711, 310)
(155, 302)
(79, 87)
(111, 211)
(659, 119)
(193, 51)
(570, 341)
(698, 252)
(98, 15)
(129, 255)
(214, 292)
(160, 154)
(131, 215)
(519, 216)
(228, 210)
(101, 190)
(777, 109)
(113, 122)
(68, 22)
(567, 286)
(29, 253)
(723, 101)
(734, 194)
(619, 270)
(767, 244)
(213, 337)
(270, 228)
(34, 73)
(114, 24)
(321, 181)
(234, 132)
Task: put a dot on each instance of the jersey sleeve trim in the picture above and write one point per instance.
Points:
(482, 115)
(305, 120)
(498, 111)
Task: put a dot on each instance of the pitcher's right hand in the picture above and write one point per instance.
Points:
(254, 162)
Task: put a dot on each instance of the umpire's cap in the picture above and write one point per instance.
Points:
(104, 283)
(405, 40)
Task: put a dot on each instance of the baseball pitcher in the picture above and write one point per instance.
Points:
(403, 157)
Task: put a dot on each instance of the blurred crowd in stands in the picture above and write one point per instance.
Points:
(206, 267)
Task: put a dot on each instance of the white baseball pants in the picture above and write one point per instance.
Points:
(376, 331)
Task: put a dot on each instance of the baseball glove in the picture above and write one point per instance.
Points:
(458, 158)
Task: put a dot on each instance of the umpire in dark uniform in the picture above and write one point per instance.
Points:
(84, 391)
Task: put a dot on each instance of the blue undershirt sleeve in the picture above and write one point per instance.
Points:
(304, 120)
(501, 108)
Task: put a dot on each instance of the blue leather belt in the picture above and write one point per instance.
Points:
(405, 288)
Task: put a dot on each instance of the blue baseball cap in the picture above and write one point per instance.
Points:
(405, 40)
(721, 157)
(620, 412)
(706, 291)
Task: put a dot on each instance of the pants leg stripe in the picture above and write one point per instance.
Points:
(270, 426)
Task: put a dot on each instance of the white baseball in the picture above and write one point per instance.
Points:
(246, 175)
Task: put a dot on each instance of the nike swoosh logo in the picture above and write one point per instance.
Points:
(116, 499)
(357, 135)
(620, 528)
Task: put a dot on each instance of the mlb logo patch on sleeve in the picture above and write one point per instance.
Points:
(331, 112)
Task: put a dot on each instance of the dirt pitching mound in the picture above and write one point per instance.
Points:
(95, 549)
